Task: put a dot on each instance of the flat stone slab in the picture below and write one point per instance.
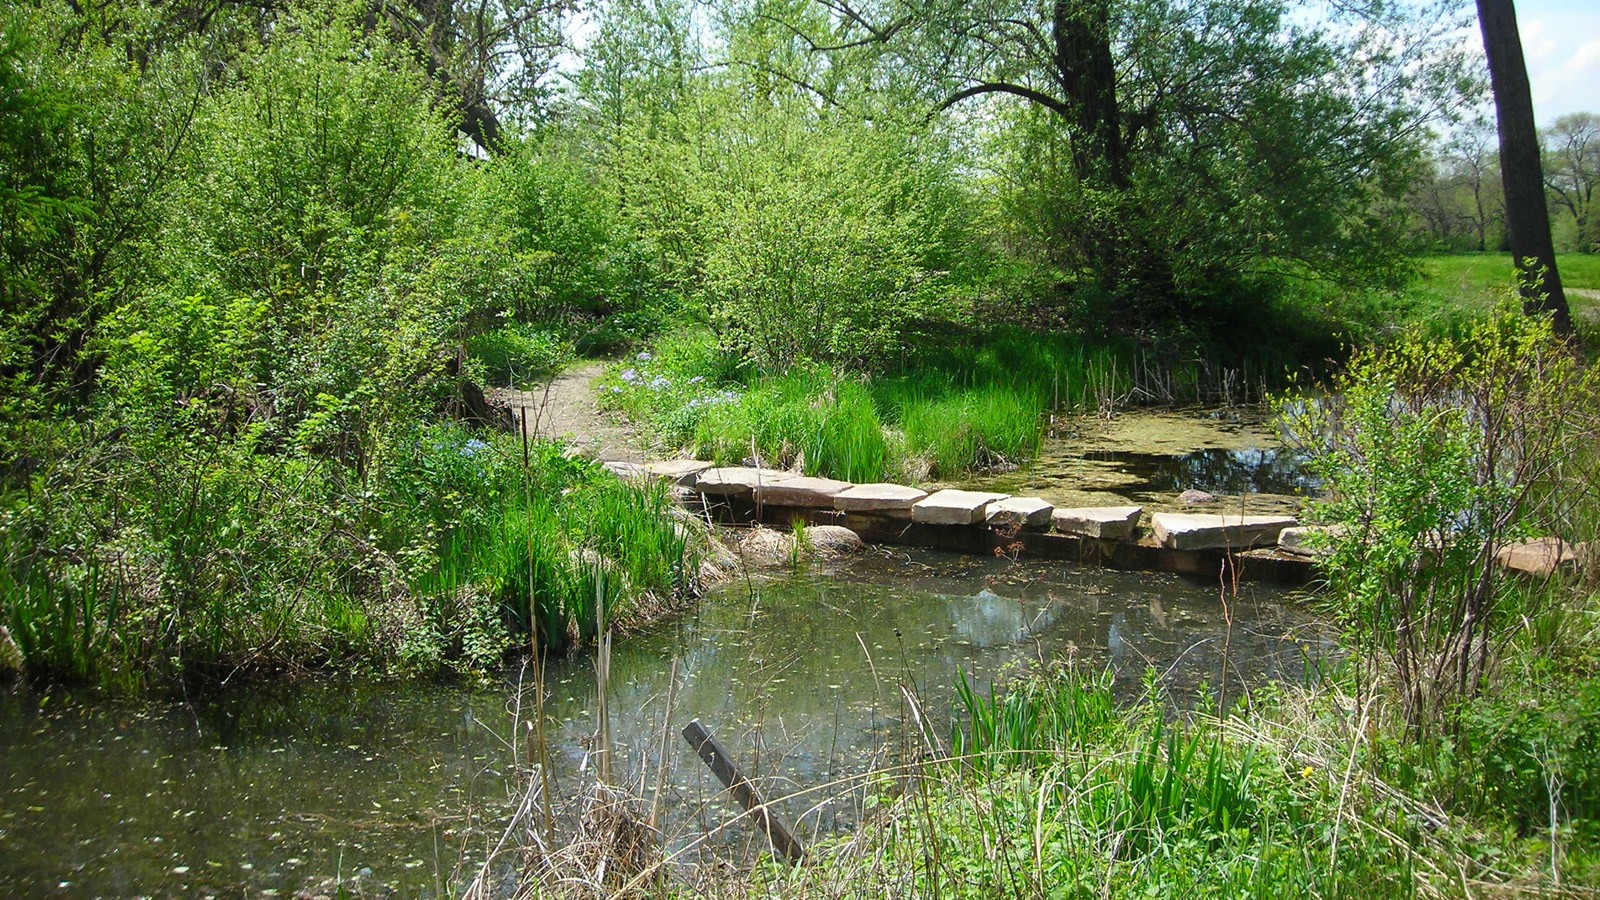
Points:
(677, 471)
(893, 500)
(627, 471)
(954, 507)
(1540, 557)
(801, 490)
(1308, 540)
(1114, 523)
(1022, 512)
(734, 481)
(1188, 531)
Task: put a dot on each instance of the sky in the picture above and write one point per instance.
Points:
(1561, 42)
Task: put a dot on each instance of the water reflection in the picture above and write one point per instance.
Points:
(801, 677)
(1213, 470)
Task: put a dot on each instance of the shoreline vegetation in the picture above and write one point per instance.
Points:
(261, 264)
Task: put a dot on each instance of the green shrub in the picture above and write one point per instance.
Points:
(518, 355)
(1436, 455)
(818, 251)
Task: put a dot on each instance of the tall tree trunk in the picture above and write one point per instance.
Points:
(1088, 75)
(1527, 217)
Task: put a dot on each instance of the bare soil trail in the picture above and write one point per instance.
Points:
(566, 410)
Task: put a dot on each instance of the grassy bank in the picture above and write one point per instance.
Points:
(460, 546)
(1456, 287)
(982, 400)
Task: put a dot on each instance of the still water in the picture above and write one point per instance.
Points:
(403, 786)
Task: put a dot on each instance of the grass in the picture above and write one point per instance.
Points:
(1470, 284)
(451, 559)
(966, 405)
(568, 553)
(1051, 787)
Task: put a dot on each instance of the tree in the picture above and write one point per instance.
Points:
(484, 57)
(1572, 173)
(1201, 139)
(1527, 217)
(1474, 168)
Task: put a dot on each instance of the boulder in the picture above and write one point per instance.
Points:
(954, 507)
(1020, 512)
(1105, 522)
(831, 541)
(735, 481)
(677, 471)
(803, 490)
(1540, 557)
(894, 500)
(1185, 531)
(11, 661)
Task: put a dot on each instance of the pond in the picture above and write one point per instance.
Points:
(273, 791)
(1149, 457)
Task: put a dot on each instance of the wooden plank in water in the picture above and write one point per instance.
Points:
(767, 819)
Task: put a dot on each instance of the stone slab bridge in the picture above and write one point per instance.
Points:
(1226, 546)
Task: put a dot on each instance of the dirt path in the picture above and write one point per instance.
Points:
(567, 411)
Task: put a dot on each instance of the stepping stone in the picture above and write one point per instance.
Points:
(627, 471)
(953, 507)
(1185, 531)
(802, 490)
(1540, 557)
(1023, 512)
(677, 471)
(736, 481)
(1106, 522)
(1308, 540)
(893, 500)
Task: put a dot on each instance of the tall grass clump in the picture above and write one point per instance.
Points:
(562, 550)
(823, 423)
(1051, 787)
(991, 427)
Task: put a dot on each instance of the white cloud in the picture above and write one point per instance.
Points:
(1563, 62)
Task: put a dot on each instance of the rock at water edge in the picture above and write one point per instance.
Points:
(1309, 540)
(678, 471)
(732, 481)
(1540, 557)
(883, 499)
(803, 490)
(1021, 512)
(831, 541)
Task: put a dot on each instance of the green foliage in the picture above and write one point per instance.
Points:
(578, 265)
(1437, 455)
(818, 252)
(986, 428)
(824, 423)
(517, 355)
(1054, 789)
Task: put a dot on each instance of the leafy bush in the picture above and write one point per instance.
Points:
(1437, 455)
(516, 355)
(818, 251)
